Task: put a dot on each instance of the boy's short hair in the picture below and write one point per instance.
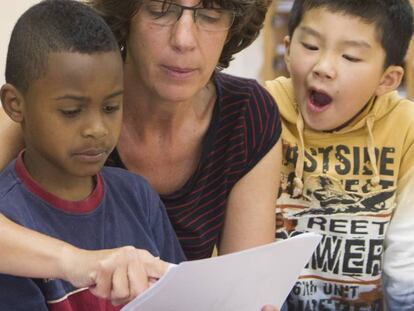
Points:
(53, 26)
(392, 18)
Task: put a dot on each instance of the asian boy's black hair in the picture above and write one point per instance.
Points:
(393, 20)
(53, 26)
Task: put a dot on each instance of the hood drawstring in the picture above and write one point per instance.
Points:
(371, 151)
(300, 162)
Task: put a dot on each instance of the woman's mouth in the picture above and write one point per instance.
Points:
(179, 72)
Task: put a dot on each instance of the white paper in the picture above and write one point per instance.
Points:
(243, 281)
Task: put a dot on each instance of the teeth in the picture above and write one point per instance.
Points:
(320, 99)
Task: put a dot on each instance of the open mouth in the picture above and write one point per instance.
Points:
(319, 99)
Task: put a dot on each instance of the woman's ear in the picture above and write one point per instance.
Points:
(286, 41)
(390, 80)
(12, 101)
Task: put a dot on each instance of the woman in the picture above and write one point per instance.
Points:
(206, 141)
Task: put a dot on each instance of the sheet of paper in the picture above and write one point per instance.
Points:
(243, 281)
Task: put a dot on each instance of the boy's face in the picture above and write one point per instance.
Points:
(72, 115)
(336, 64)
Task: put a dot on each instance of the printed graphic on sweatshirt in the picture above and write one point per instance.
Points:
(338, 201)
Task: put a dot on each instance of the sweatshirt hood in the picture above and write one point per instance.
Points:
(282, 91)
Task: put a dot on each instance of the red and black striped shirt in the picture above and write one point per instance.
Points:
(245, 126)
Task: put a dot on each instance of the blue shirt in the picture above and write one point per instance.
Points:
(122, 210)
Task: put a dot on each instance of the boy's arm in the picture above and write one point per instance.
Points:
(11, 139)
(399, 252)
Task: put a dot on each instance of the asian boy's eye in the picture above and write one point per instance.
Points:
(309, 46)
(70, 113)
(110, 108)
(351, 58)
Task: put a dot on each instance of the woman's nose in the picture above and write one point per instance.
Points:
(184, 32)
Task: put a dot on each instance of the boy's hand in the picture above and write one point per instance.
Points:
(269, 308)
(119, 274)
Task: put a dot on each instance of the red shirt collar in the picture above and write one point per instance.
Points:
(83, 206)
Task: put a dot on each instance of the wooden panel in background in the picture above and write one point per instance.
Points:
(409, 69)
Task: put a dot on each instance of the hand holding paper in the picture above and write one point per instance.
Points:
(243, 281)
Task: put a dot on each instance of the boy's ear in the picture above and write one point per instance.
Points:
(12, 101)
(390, 80)
(286, 41)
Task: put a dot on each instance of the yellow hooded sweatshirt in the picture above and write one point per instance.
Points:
(346, 185)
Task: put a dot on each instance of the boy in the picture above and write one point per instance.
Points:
(348, 155)
(64, 86)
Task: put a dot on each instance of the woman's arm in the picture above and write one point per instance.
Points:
(250, 211)
(17, 244)
(11, 139)
(118, 274)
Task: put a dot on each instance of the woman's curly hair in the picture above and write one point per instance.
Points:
(250, 15)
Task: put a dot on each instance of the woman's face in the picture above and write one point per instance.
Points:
(172, 62)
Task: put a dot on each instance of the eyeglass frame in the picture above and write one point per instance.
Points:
(194, 10)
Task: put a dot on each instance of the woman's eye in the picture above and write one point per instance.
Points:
(155, 12)
(351, 58)
(70, 113)
(309, 46)
(209, 15)
(157, 9)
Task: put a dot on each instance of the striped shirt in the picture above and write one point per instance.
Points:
(245, 126)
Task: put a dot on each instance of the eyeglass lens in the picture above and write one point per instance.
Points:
(168, 13)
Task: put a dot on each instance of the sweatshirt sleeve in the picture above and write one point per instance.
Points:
(398, 276)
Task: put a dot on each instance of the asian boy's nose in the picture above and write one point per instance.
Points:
(325, 68)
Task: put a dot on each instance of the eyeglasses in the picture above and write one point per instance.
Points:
(166, 13)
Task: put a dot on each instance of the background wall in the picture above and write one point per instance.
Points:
(247, 62)
(8, 17)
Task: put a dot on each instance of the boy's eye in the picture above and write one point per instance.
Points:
(351, 58)
(309, 46)
(110, 108)
(70, 113)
